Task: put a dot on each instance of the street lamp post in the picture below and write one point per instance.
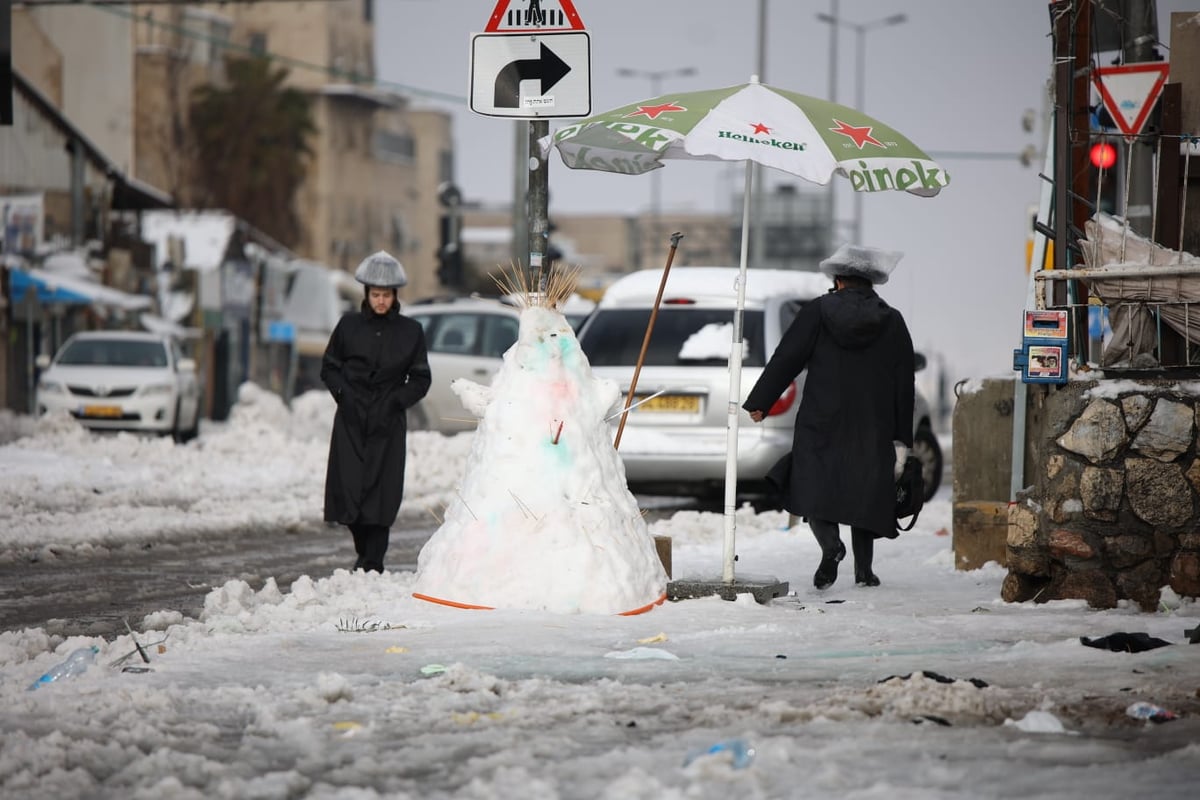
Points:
(655, 76)
(860, 33)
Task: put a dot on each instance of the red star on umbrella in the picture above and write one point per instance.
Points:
(760, 128)
(860, 136)
(653, 111)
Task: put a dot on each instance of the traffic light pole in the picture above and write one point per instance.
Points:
(539, 202)
(520, 205)
(1072, 31)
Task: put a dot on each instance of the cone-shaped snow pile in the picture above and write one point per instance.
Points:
(543, 519)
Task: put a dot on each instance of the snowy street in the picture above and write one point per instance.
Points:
(346, 686)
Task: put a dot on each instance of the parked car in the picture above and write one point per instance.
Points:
(466, 338)
(122, 380)
(675, 442)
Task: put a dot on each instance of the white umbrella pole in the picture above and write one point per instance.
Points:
(735, 388)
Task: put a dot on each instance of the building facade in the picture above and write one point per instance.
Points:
(376, 163)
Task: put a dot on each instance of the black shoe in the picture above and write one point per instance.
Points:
(866, 578)
(827, 571)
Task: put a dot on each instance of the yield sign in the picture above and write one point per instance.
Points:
(534, 15)
(1130, 91)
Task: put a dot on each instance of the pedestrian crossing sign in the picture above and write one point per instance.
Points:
(521, 16)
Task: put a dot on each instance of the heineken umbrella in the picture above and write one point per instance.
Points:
(752, 122)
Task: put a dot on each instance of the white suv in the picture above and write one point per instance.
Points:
(675, 443)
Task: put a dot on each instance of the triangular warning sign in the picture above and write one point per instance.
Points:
(522, 16)
(1130, 91)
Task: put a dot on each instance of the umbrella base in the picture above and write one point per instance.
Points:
(763, 589)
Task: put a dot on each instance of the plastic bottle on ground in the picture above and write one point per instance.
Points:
(740, 752)
(1143, 710)
(76, 663)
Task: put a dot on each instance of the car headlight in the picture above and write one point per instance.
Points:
(50, 387)
(155, 389)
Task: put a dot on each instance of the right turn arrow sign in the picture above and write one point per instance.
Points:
(548, 68)
(531, 75)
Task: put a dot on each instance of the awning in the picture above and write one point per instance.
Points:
(129, 193)
(51, 289)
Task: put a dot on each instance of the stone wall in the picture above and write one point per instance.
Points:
(1113, 509)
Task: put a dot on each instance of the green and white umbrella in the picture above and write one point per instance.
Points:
(805, 136)
(756, 123)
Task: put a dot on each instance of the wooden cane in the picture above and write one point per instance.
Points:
(662, 285)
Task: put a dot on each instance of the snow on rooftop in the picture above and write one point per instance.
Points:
(205, 236)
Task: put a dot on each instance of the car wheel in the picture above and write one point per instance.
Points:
(177, 433)
(192, 431)
(927, 449)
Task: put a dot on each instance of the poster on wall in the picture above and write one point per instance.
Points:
(1046, 361)
(22, 216)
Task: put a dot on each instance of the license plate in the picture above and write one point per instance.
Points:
(102, 411)
(671, 404)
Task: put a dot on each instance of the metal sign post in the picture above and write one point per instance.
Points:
(533, 64)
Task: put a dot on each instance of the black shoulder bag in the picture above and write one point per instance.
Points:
(910, 493)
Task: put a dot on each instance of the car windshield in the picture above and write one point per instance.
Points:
(114, 353)
(682, 337)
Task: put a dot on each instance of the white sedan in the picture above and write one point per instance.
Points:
(122, 380)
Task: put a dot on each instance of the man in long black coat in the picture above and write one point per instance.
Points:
(376, 367)
(854, 425)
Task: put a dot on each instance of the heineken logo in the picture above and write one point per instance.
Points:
(586, 158)
(912, 176)
(755, 137)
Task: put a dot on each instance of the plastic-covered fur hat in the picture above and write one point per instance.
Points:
(381, 270)
(866, 262)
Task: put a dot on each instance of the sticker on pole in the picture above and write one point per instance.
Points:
(521, 16)
(1130, 91)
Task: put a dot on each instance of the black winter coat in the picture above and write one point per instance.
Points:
(858, 399)
(376, 368)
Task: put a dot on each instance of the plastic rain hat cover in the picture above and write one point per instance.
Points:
(381, 270)
(866, 262)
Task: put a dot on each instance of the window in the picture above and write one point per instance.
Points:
(389, 146)
(368, 10)
(114, 353)
(613, 337)
(209, 35)
(499, 334)
(258, 43)
(788, 312)
(455, 333)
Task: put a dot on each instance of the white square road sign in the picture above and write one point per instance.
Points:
(531, 75)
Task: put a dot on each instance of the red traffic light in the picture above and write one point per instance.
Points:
(1103, 155)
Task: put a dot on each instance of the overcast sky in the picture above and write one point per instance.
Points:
(955, 78)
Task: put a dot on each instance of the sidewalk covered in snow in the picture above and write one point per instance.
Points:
(346, 686)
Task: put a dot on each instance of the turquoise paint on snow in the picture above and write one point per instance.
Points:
(560, 454)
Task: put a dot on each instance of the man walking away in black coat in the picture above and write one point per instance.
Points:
(854, 425)
(376, 368)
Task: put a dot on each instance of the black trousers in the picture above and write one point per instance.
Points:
(862, 541)
(370, 543)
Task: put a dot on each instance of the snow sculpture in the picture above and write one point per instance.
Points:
(543, 519)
